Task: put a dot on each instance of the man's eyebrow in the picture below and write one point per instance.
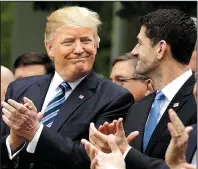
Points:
(138, 39)
(118, 76)
(69, 38)
(85, 37)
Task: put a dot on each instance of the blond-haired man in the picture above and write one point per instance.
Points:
(70, 99)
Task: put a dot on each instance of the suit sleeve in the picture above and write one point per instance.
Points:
(137, 160)
(116, 109)
(5, 161)
(164, 166)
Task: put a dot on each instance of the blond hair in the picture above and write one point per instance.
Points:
(74, 16)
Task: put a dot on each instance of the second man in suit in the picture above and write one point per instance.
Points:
(165, 44)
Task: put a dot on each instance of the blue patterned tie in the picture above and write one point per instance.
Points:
(54, 105)
(152, 120)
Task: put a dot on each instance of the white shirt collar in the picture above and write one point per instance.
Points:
(57, 80)
(172, 88)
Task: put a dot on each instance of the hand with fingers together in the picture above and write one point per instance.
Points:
(23, 120)
(100, 138)
(176, 152)
(15, 140)
(100, 160)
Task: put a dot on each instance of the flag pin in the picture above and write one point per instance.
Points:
(176, 105)
(81, 96)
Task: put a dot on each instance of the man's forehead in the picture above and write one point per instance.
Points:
(74, 30)
(123, 66)
(141, 34)
(75, 33)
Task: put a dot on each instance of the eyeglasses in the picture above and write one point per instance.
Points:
(121, 81)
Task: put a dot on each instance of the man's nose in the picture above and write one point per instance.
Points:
(78, 49)
(134, 52)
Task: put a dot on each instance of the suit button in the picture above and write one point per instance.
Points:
(31, 165)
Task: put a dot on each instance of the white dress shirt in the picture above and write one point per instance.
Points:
(170, 91)
(51, 93)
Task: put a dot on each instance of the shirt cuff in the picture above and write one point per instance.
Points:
(9, 149)
(126, 152)
(32, 145)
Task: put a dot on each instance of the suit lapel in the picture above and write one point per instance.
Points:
(80, 94)
(176, 104)
(141, 114)
(38, 91)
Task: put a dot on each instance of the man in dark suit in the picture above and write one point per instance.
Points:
(176, 155)
(165, 43)
(70, 99)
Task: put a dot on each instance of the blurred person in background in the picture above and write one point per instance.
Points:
(193, 60)
(123, 73)
(33, 64)
(6, 78)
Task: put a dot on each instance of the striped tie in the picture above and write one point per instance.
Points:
(54, 105)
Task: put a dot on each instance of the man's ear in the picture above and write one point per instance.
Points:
(48, 47)
(161, 49)
(148, 81)
(150, 85)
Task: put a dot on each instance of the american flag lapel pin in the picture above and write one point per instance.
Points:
(81, 96)
(175, 104)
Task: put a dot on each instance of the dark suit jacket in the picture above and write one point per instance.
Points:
(138, 114)
(192, 146)
(59, 146)
(146, 162)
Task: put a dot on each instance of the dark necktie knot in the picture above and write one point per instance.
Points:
(64, 86)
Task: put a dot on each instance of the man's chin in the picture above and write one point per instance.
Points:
(141, 72)
(138, 70)
(82, 70)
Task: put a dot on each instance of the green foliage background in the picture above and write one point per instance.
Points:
(7, 9)
(130, 9)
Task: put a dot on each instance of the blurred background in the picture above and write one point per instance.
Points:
(23, 25)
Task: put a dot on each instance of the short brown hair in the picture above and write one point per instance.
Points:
(35, 58)
(129, 57)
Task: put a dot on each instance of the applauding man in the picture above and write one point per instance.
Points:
(70, 98)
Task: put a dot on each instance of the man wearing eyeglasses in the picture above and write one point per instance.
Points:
(123, 73)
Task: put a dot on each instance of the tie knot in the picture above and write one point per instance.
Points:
(64, 86)
(159, 96)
